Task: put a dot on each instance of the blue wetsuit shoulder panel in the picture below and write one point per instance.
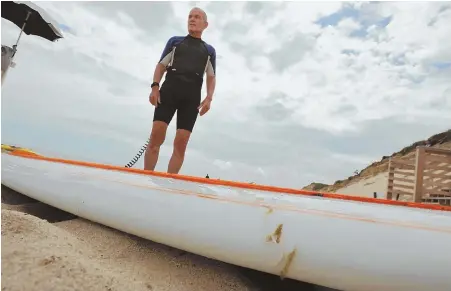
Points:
(167, 51)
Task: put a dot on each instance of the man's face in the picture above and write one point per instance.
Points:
(196, 22)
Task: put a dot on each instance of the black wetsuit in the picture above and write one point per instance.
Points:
(186, 60)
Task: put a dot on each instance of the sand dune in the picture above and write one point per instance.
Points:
(366, 187)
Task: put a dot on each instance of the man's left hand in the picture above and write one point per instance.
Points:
(205, 105)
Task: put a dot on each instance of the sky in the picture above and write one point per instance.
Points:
(306, 92)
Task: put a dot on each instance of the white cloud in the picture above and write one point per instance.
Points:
(289, 90)
(223, 165)
(348, 25)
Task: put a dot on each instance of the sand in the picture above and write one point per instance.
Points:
(366, 187)
(79, 255)
(63, 252)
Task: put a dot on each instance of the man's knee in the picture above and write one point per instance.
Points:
(158, 135)
(181, 141)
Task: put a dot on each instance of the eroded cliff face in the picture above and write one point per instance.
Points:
(440, 140)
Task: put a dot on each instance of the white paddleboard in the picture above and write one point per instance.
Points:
(346, 245)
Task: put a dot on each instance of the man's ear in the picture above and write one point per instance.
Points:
(206, 24)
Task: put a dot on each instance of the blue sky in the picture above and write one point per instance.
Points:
(345, 85)
(353, 13)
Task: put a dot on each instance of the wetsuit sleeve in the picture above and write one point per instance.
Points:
(211, 65)
(167, 53)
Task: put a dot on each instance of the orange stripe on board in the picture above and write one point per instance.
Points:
(231, 184)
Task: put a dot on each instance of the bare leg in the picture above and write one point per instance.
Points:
(178, 155)
(156, 140)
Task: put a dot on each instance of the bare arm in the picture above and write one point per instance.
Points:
(164, 61)
(211, 84)
(211, 74)
(160, 69)
(154, 96)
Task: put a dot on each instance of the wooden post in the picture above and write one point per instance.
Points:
(419, 172)
(391, 176)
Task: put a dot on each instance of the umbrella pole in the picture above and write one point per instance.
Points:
(15, 47)
(21, 31)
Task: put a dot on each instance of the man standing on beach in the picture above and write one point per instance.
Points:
(185, 59)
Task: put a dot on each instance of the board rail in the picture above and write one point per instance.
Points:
(32, 155)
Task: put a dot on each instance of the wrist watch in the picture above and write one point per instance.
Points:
(154, 84)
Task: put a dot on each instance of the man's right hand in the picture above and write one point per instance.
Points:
(154, 97)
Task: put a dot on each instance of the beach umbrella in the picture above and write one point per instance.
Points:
(33, 20)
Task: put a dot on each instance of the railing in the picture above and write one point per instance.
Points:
(422, 176)
(401, 177)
